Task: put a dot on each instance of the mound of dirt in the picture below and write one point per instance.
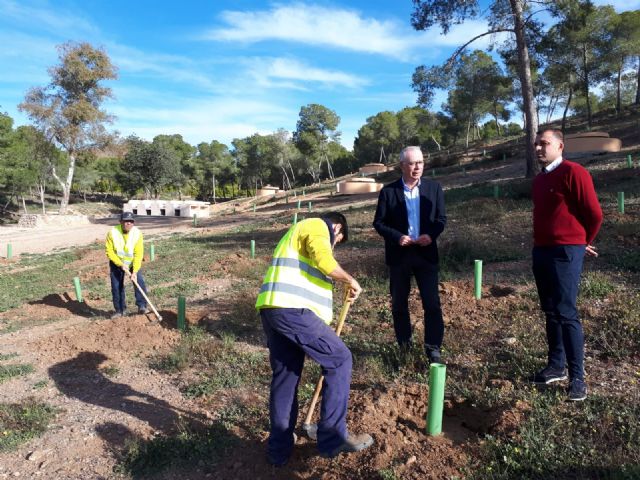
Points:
(119, 339)
(395, 417)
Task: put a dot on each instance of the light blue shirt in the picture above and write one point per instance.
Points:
(412, 200)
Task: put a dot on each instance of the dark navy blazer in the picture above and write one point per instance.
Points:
(391, 220)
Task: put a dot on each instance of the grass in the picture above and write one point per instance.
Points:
(615, 329)
(212, 358)
(143, 458)
(570, 440)
(45, 274)
(596, 285)
(20, 422)
(15, 370)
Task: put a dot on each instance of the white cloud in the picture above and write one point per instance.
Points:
(313, 25)
(288, 73)
(339, 28)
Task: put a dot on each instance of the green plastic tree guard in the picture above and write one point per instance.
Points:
(477, 279)
(253, 249)
(195, 220)
(629, 161)
(152, 253)
(9, 251)
(76, 284)
(621, 202)
(496, 191)
(309, 206)
(437, 377)
(295, 218)
(182, 311)
(299, 204)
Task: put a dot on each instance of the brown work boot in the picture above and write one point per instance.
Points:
(354, 443)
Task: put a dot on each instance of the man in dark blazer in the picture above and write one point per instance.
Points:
(410, 216)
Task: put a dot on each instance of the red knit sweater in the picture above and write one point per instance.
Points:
(565, 207)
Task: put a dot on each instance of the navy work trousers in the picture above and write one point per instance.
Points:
(557, 272)
(426, 275)
(118, 283)
(291, 333)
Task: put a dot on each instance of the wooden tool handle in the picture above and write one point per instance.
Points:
(144, 295)
(343, 315)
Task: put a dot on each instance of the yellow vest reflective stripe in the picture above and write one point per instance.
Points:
(294, 281)
(124, 250)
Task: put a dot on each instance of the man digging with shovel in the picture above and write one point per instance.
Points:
(125, 249)
(295, 304)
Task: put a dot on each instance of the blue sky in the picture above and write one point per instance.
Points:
(221, 69)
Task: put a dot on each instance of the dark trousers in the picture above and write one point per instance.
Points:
(118, 283)
(292, 333)
(557, 272)
(426, 275)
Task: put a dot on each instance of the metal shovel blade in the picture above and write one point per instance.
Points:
(311, 429)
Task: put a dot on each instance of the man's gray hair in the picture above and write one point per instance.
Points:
(406, 150)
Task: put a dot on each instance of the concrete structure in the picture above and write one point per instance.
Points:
(52, 220)
(168, 208)
(591, 142)
(372, 168)
(267, 191)
(354, 186)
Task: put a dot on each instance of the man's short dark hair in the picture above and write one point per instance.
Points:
(556, 132)
(338, 218)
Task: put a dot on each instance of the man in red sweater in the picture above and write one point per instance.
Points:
(566, 219)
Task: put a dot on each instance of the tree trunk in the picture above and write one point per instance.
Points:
(524, 70)
(638, 83)
(24, 205)
(213, 185)
(65, 192)
(66, 189)
(618, 88)
(585, 67)
(468, 128)
(566, 109)
(41, 192)
(293, 175)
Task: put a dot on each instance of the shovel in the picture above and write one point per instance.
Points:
(144, 295)
(311, 429)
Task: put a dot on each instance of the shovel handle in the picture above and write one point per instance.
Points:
(144, 295)
(343, 315)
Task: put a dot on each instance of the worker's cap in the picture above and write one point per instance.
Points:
(127, 217)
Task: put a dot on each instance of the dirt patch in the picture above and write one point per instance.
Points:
(119, 339)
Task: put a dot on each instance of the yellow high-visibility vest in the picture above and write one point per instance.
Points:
(124, 250)
(294, 281)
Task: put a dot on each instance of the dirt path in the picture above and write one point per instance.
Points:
(48, 239)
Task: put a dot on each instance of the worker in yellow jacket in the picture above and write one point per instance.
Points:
(295, 304)
(125, 248)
